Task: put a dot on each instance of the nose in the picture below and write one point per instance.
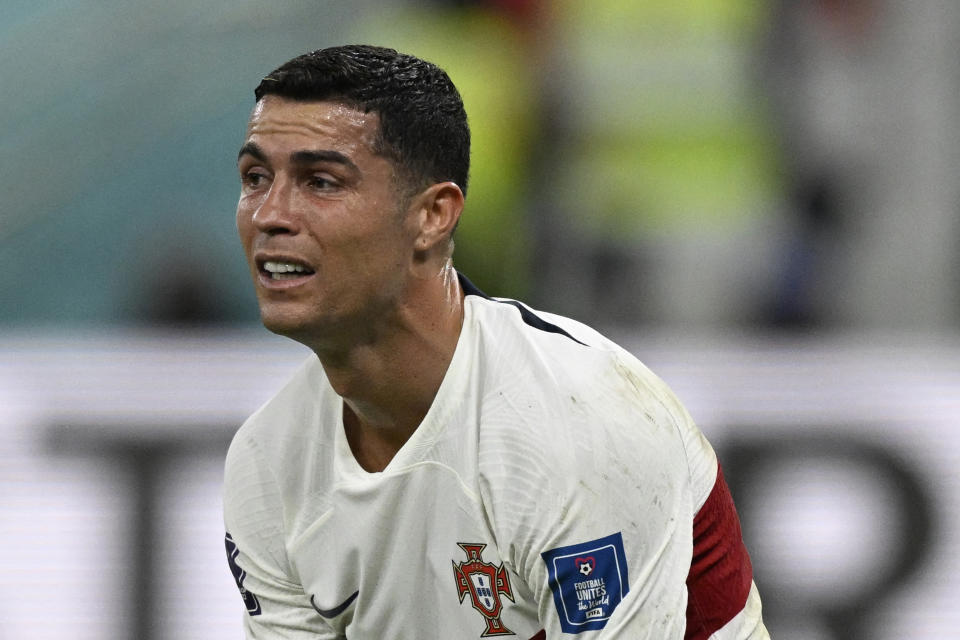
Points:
(275, 214)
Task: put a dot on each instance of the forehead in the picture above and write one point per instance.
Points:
(283, 122)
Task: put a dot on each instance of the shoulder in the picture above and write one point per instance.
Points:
(564, 371)
(292, 400)
(564, 407)
(271, 451)
(282, 422)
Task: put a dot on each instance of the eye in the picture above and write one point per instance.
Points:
(322, 182)
(252, 179)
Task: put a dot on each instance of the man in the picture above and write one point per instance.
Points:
(448, 465)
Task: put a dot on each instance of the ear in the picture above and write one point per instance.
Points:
(438, 211)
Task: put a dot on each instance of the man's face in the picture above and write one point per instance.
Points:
(320, 218)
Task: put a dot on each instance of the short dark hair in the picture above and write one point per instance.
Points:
(423, 125)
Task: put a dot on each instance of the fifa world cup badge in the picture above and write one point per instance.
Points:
(485, 582)
(588, 581)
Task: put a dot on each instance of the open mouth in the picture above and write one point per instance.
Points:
(276, 270)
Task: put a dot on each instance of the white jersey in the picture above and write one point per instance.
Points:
(555, 487)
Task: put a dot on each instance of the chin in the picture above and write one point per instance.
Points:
(308, 331)
(283, 324)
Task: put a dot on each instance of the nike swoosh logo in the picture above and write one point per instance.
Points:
(333, 613)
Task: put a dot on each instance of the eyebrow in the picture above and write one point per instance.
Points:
(252, 149)
(303, 158)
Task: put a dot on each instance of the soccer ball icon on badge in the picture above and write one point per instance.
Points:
(585, 565)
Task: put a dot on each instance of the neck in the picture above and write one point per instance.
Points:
(389, 380)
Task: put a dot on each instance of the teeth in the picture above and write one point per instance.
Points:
(284, 267)
(284, 270)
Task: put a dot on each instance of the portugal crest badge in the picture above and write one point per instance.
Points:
(485, 582)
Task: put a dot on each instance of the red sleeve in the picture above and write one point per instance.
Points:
(720, 572)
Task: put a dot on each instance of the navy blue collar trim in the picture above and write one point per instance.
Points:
(529, 317)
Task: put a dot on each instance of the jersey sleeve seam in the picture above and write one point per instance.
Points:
(676, 420)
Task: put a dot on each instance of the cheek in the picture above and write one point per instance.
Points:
(244, 223)
(387, 245)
